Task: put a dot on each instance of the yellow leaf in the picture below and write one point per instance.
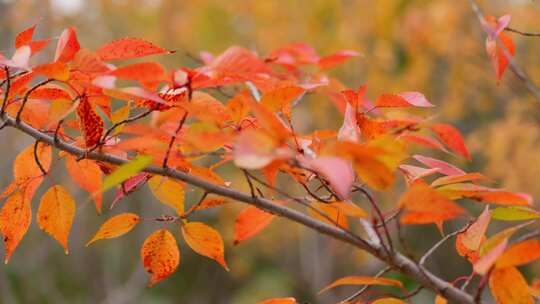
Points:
(116, 226)
(168, 191)
(362, 280)
(160, 255)
(508, 286)
(55, 214)
(205, 240)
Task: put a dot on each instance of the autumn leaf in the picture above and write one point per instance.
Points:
(405, 99)
(25, 166)
(205, 240)
(168, 191)
(279, 301)
(160, 255)
(454, 179)
(452, 138)
(423, 205)
(25, 37)
(127, 48)
(280, 99)
(91, 123)
(116, 226)
(126, 171)
(362, 280)
(254, 149)
(488, 259)
(15, 218)
(495, 49)
(55, 214)
(508, 286)
(149, 74)
(338, 172)
(67, 46)
(514, 213)
(442, 166)
(329, 214)
(519, 254)
(330, 61)
(57, 70)
(88, 175)
(250, 222)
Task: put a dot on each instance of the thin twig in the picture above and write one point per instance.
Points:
(27, 95)
(442, 241)
(366, 287)
(527, 34)
(36, 158)
(173, 139)
(380, 215)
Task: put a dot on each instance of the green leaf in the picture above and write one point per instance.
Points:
(126, 171)
(514, 213)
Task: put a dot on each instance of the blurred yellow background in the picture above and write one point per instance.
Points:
(434, 47)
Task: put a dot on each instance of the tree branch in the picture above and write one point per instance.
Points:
(516, 69)
(396, 260)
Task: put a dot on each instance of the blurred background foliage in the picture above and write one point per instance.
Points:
(435, 47)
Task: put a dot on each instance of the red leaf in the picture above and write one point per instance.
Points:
(452, 138)
(24, 37)
(67, 46)
(331, 61)
(90, 122)
(127, 48)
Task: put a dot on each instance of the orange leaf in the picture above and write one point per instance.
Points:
(160, 255)
(127, 48)
(269, 121)
(508, 286)
(15, 218)
(424, 205)
(453, 179)
(205, 240)
(67, 46)
(254, 149)
(57, 70)
(55, 214)
(88, 175)
(362, 280)
(329, 214)
(280, 99)
(168, 191)
(25, 166)
(90, 122)
(452, 138)
(440, 300)
(519, 254)
(250, 222)
(116, 226)
(279, 301)
(484, 264)
(473, 236)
